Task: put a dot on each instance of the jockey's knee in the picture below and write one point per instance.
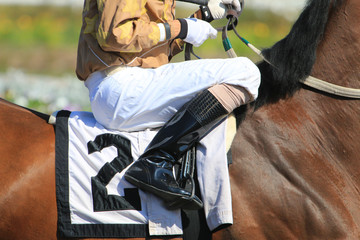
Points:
(230, 96)
(240, 86)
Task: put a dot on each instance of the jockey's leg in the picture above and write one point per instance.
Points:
(135, 99)
(153, 172)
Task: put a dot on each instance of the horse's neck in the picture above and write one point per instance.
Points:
(338, 54)
(335, 122)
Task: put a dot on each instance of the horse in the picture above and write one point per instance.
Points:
(295, 171)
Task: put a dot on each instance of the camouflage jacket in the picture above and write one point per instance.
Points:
(117, 32)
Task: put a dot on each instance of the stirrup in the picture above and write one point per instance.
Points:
(185, 179)
(189, 203)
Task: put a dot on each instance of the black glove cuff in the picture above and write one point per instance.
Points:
(183, 29)
(205, 14)
(167, 31)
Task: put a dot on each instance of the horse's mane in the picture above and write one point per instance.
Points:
(293, 57)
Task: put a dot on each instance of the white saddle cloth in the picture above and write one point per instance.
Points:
(211, 169)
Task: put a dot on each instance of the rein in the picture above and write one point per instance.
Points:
(310, 81)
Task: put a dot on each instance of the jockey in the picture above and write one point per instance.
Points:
(123, 56)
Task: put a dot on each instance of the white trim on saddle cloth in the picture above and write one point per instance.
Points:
(93, 199)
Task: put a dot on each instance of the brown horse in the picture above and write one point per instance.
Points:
(295, 172)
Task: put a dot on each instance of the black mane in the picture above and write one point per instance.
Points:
(292, 57)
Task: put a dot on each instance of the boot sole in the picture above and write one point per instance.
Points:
(173, 200)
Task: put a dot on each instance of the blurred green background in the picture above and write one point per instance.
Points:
(42, 41)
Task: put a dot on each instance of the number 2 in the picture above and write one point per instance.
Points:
(102, 201)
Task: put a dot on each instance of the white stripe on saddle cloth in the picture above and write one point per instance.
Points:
(83, 166)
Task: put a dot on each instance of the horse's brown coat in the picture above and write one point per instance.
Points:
(296, 163)
(296, 171)
(27, 175)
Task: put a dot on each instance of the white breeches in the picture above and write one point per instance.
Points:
(135, 99)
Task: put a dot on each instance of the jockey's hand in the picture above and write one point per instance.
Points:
(198, 31)
(218, 8)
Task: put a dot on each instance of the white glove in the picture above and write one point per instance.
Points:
(198, 31)
(218, 8)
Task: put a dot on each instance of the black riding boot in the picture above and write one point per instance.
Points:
(153, 171)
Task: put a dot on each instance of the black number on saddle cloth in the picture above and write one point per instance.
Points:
(102, 201)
